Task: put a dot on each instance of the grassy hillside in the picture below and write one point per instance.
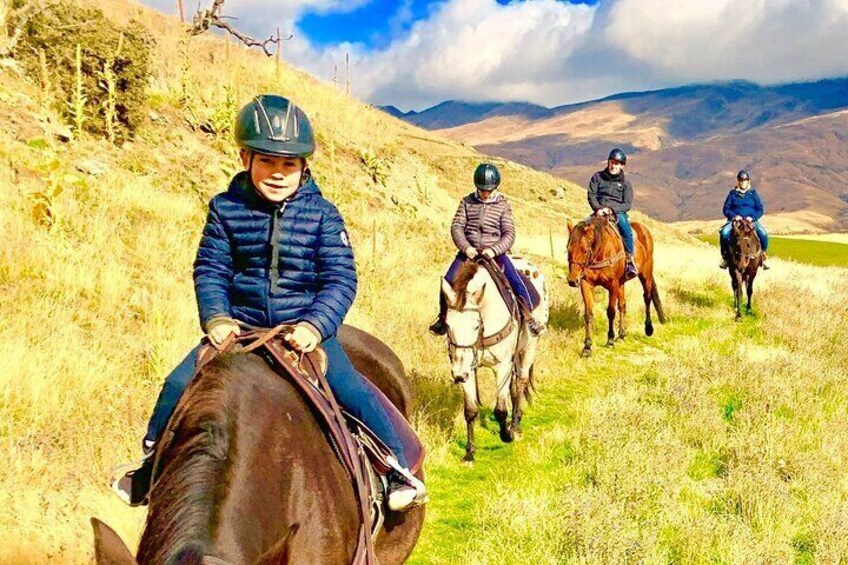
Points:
(97, 305)
(810, 251)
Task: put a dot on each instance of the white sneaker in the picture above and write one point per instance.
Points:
(126, 485)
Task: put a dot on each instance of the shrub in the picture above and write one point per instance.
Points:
(123, 53)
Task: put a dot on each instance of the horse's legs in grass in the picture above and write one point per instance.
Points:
(647, 293)
(622, 312)
(736, 279)
(469, 387)
(526, 357)
(504, 371)
(611, 304)
(749, 287)
(588, 305)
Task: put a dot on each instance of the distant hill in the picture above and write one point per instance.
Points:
(686, 143)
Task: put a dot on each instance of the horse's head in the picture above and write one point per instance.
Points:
(582, 242)
(464, 319)
(744, 242)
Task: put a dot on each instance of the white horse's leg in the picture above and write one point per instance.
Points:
(526, 357)
(504, 372)
(469, 388)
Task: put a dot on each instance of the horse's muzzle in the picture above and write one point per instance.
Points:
(573, 283)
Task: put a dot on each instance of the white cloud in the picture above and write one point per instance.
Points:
(762, 40)
(553, 52)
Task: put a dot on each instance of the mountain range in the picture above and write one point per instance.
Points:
(685, 144)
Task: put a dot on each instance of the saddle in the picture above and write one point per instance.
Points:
(505, 289)
(365, 457)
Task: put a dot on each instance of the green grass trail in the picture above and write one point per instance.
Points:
(821, 253)
(460, 511)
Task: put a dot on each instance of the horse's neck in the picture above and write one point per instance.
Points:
(493, 309)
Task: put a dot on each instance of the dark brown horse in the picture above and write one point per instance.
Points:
(596, 258)
(248, 475)
(744, 260)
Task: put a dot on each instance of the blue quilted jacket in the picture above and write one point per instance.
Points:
(743, 204)
(266, 264)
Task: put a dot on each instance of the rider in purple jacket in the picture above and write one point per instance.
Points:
(483, 224)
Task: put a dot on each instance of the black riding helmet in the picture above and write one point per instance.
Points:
(274, 125)
(487, 177)
(617, 155)
(743, 175)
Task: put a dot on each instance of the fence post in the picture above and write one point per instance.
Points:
(551, 240)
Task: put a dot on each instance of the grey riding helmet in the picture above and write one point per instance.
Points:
(617, 155)
(487, 177)
(273, 125)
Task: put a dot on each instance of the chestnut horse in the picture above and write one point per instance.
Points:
(744, 260)
(596, 258)
(248, 475)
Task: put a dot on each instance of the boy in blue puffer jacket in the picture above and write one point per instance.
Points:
(742, 202)
(275, 251)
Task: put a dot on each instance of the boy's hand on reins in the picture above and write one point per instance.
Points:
(303, 338)
(470, 252)
(219, 330)
(489, 253)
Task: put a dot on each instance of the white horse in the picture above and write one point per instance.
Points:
(483, 332)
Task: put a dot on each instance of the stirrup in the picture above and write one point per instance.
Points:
(401, 499)
(536, 328)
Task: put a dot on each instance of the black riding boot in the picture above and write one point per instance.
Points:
(536, 328)
(439, 327)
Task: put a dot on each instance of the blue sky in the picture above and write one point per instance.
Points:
(373, 25)
(416, 53)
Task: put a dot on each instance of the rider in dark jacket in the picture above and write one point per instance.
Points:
(742, 202)
(610, 191)
(275, 251)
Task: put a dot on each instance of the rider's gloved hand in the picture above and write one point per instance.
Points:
(303, 337)
(470, 252)
(737, 218)
(220, 329)
(489, 253)
(749, 218)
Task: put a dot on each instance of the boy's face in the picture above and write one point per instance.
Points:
(275, 178)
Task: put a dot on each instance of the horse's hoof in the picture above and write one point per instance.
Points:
(621, 337)
(469, 458)
(507, 436)
(586, 353)
(738, 318)
(649, 330)
(516, 435)
(469, 463)
(611, 343)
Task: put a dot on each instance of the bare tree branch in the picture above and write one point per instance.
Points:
(204, 19)
(21, 17)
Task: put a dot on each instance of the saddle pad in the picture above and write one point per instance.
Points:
(535, 299)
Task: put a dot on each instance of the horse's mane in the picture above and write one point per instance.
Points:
(595, 223)
(198, 464)
(460, 283)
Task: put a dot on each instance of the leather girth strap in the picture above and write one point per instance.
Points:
(306, 374)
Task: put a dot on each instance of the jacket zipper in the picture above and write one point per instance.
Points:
(274, 270)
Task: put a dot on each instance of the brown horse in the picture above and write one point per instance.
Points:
(596, 258)
(743, 262)
(248, 475)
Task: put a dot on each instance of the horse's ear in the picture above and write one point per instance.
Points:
(109, 548)
(570, 225)
(478, 294)
(449, 292)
